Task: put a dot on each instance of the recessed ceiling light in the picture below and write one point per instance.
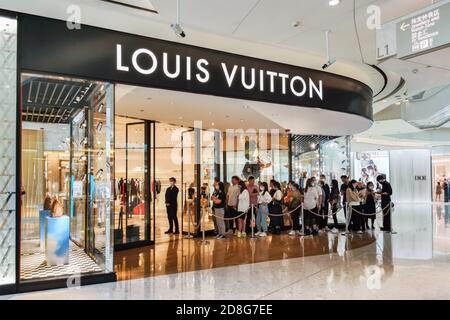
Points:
(180, 118)
(398, 103)
(242, 120)
(334, 2)
(212, 123)
(245, 106)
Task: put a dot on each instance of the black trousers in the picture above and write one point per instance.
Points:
(334, 209)
(386, 215)
(172, 217)
(276, 222)
(248, 222)
(323, 221)
(295, 215)
(310, 217)
(230, 212)
(358, 221)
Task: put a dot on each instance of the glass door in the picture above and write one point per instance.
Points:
(190, 191)
(199, 166)
(133, 183)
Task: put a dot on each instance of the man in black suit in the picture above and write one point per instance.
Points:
(386, 193)
(172, 206)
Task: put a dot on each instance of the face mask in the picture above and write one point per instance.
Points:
(261, 188)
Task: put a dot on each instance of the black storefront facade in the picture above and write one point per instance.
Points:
(60, 83)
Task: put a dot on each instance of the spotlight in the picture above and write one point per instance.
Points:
(333, 3)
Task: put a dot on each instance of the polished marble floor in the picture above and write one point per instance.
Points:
(414, 263)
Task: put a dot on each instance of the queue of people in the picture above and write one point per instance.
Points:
(233, 209)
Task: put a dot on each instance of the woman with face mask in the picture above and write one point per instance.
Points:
(369, 206)
(264, 198)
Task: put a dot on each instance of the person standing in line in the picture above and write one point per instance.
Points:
(319, 189)
(310, 206)
(219, 198)
(232, 202)
(369, 206)
(386, 193)
(253, 191)
(294, 207)
(325, 201)
(344, 186)
(275, 207)
(216, 227)
(242, 208)
(171, 199)
(264, 198)
(357, 222)
(335, 200)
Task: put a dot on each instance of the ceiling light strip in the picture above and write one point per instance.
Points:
(130, 6)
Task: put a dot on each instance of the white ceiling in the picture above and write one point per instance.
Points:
(263, 28)
(184, 109)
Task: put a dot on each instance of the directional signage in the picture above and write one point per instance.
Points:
(426, 30)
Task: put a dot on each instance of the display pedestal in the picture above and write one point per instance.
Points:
(42, 215)
(57, 232)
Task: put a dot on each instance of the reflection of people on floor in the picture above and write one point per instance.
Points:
(171, 201)
(447, 216)
(171, 265)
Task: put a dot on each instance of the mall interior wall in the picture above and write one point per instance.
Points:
(410, 175)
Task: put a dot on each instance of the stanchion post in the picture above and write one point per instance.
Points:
(252, 222)
(390, 218)
(303, 222)
(189, 211)
(204, 241)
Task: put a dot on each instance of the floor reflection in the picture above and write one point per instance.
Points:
(182, 255)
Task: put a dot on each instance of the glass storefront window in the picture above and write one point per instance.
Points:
(334, 158)
(67, 172)
(263, 154)
(8, 53)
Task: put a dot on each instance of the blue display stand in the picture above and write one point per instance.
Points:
(57, 232)
(42, 215)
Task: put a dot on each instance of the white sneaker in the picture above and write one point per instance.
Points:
(291, 233)
(334, 230)
(360, 232)
(258, 233)
(263, 234)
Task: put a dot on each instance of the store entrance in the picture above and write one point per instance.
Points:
(133, 223)
(200, 164)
